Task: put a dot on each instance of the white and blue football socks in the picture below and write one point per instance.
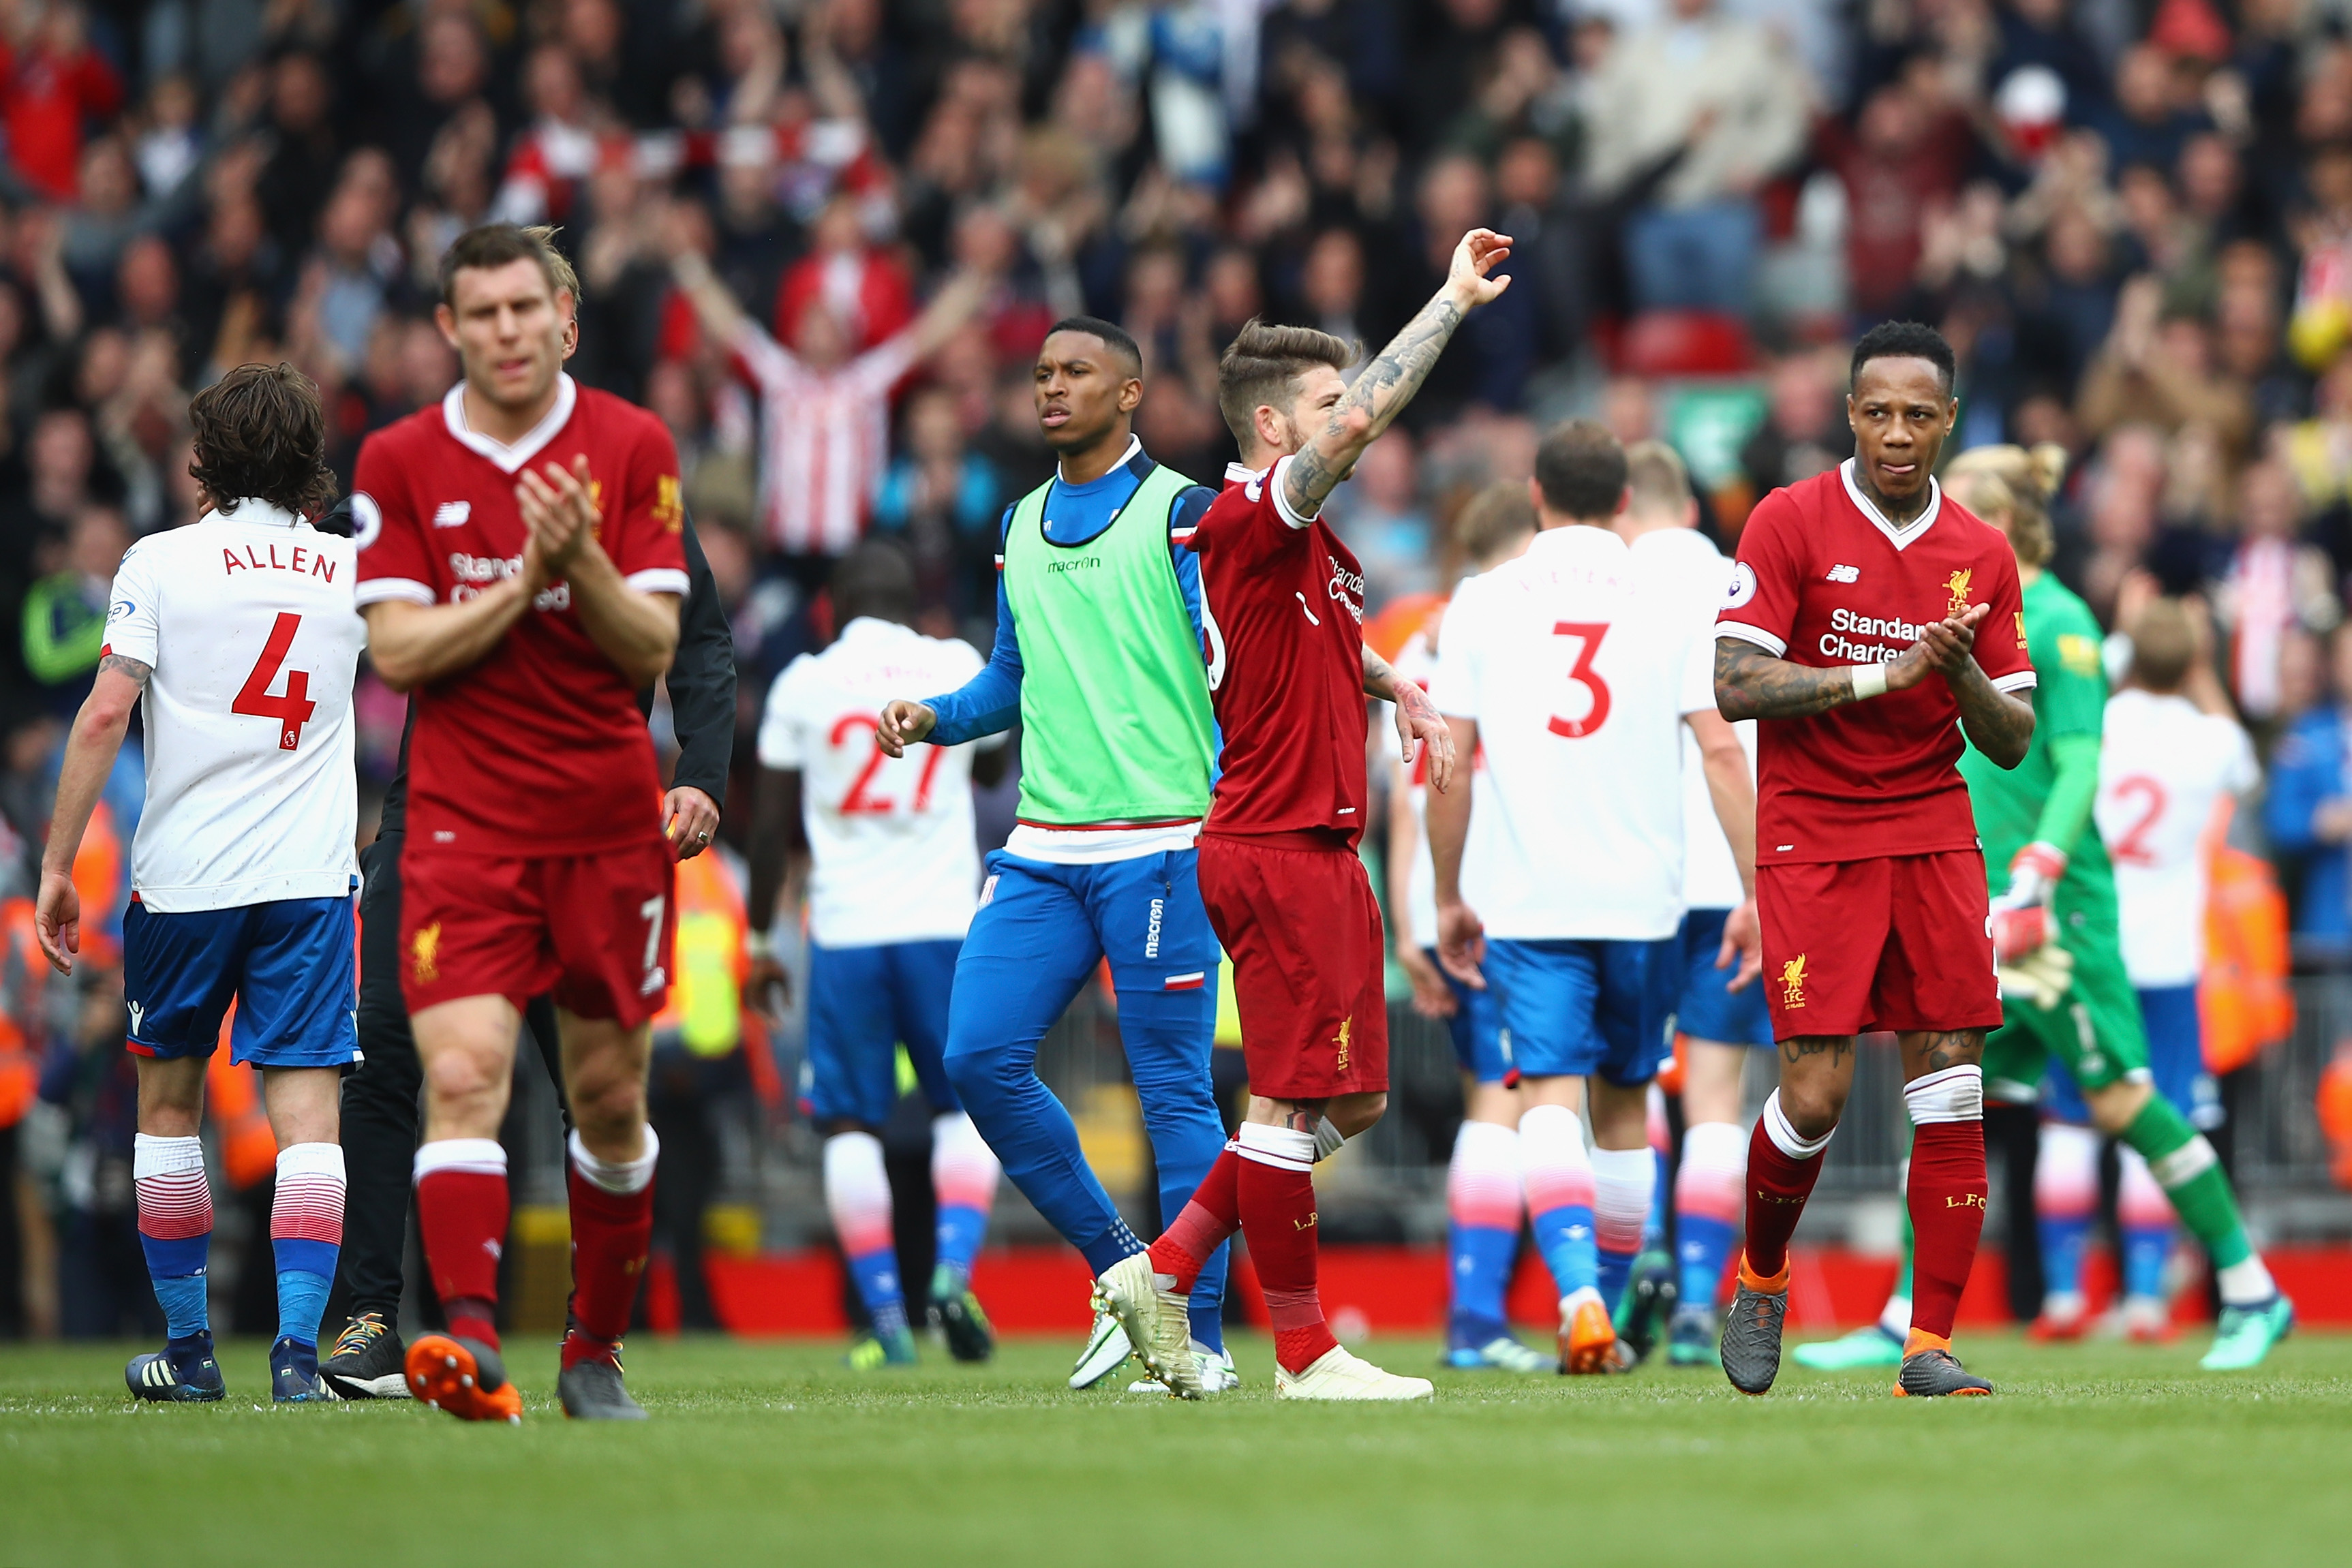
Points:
(1483, 1205)
(175, 1228)
(1558, 1178)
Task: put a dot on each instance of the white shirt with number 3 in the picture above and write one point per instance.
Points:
(890, 839)
(2163, 767)
(246, 619)
(1579, 673)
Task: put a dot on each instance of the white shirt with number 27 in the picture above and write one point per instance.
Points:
(246, 619)
(892, 857)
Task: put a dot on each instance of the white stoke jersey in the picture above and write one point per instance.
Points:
(1417, 662)
(1579, 681)
(248, 621)
(1683, 566)
(890, 839)
(2164, 769)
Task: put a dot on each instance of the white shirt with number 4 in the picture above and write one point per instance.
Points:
(890, 839)
(2163, 768)
(1579, 677)
(248, 621)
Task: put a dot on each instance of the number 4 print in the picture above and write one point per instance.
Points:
(291, 711)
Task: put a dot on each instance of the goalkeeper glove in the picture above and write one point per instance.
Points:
(2041, 977)
(2021, 917)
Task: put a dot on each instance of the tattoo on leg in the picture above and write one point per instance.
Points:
(1833, 1046)
(1952, 1048)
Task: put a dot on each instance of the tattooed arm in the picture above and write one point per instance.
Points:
(1417, 718)
(1388, 382)
(1749, 683)
(90, 751)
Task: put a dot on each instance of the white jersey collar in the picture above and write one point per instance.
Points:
(534, 440)
(1901, 538)
(256, 513)
(1546, 542)
(1134, 450)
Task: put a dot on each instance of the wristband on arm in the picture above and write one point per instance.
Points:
(1869, 681)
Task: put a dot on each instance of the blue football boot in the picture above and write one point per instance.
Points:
(294, 1374)
(183, 1373)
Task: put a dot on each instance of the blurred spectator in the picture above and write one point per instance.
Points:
(55, 85)
(1804, 430)
(1725, 103)
(2308, 810)
(944, 501)
(2275, 584)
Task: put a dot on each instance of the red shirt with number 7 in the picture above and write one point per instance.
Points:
(538, 749)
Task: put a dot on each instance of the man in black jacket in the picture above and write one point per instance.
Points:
(379, 1111)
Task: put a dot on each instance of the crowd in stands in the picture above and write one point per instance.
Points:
(2133, 218)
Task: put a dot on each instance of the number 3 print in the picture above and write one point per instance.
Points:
(1588, 635)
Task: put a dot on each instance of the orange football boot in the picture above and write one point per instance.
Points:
(1588, 1341)
(463, 1377)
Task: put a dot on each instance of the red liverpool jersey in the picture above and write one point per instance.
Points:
(1824, 579)
(1282, 606)
(538, 749)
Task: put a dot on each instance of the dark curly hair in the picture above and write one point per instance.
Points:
(1904, 340)
(261, 433)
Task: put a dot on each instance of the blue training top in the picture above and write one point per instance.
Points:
(991, 700)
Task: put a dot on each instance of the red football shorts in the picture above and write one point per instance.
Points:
(596, 930)
(1303, 932)
(1898, 943)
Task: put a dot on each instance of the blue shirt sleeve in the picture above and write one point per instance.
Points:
(989, 703)
(1183, 519)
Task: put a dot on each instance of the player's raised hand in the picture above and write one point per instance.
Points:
(57, 920)
(1475, 259)
(1462, 942)
(1743, 941)
(903, 724)
(560, 511)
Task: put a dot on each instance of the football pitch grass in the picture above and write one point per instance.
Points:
(775, 1453)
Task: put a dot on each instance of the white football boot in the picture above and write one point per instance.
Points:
(1336, 1375)
(1107, 1347)
(1217, 1373)
(1157, 1323)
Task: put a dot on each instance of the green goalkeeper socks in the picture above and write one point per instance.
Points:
(2185, 1167)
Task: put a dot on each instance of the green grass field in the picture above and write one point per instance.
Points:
(777, 1454)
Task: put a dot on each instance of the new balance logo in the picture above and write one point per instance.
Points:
(654, 981)
(1845, 574)
(452, 514)
(138, 1011)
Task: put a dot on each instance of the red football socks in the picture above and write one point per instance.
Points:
(461, 1215)
(1210, 1217)
(1779, 1183)
(1947, 1197)
(611, 1232)
(1275, 1187)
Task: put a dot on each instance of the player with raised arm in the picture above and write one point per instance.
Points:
(1719, 1014)
(1290, 899)
(1576, 670)
(521, 572)
(237, 638)
(1866, 614)
(1098, 656)
(1483, 1198)
(892, 874)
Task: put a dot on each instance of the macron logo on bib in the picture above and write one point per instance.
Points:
(452, 514)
